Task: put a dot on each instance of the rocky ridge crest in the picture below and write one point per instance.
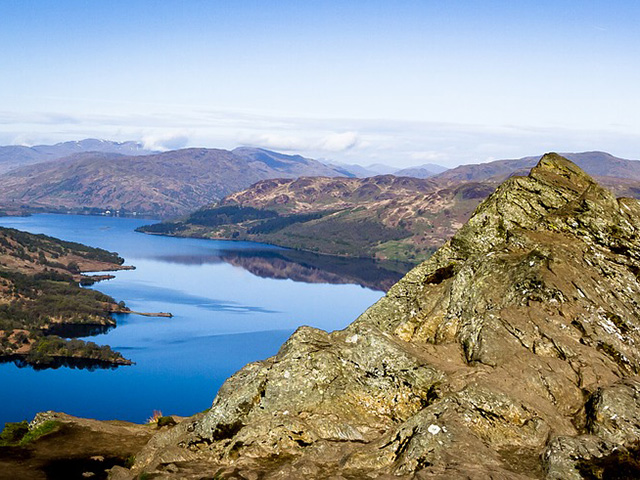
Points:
(511, 353)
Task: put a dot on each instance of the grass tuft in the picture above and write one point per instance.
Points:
(40, 431)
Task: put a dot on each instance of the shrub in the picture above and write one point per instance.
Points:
(231, 214)
(166, 422)
(154, 417)
(13, 433)
(40, 431)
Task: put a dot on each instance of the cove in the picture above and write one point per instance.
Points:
(233, 303)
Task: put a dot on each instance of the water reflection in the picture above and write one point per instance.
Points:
(303, 266)
(77, 330)
(57, 362)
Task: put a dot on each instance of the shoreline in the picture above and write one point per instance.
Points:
(126, 311)
(343, 256)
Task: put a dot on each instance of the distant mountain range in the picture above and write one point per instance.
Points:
(418, 171)
(164, 184)
(290, 165)
(421, 171)
(385, 217)
(599, 164)
(14, 156)
(92, 176)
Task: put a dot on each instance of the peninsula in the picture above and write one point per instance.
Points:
(43, 307)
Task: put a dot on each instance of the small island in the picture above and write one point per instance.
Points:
(43, 305)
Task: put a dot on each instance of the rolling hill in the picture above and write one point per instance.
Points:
(384, 217)
(162, 184)
(41, 301)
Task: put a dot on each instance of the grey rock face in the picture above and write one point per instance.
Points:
(612, 412)
(511, 353)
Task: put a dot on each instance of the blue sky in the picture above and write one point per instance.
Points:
(403, 82)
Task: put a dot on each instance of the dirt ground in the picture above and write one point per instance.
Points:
(80, 449)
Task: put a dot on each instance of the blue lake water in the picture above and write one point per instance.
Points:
(233, 303)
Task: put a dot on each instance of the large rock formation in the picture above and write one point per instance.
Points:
(510, 354)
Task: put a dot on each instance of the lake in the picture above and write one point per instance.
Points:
(233, 303)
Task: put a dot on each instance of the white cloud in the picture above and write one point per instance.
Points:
(339, 142)
(165, 141)
(277, 141)
(347, 140)
(334, 142)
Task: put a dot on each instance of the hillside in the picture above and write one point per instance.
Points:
(384, 217)
(292, 165)
(163, 184)
(512, 353)
(14, 156)
(40, 298)
(597, 164)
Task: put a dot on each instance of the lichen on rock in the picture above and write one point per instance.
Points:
(511, 353)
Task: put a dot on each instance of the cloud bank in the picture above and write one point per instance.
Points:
(165, 141)
(360, 141)
(334, 142)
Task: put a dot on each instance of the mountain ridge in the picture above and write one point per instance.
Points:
(595, 163)
(385, 217)
(166, 184)
(15, 156)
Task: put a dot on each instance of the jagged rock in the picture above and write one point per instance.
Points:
(564, 456)
(613, 412)
(511, 353)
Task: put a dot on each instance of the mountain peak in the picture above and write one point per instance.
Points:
(523, 203)
(561, 172)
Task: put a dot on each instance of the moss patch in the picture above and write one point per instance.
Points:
(19, 433)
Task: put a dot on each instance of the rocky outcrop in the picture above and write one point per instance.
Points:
(510, 354)
(60, 446)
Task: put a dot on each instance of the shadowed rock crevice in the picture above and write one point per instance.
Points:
(510, 354)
